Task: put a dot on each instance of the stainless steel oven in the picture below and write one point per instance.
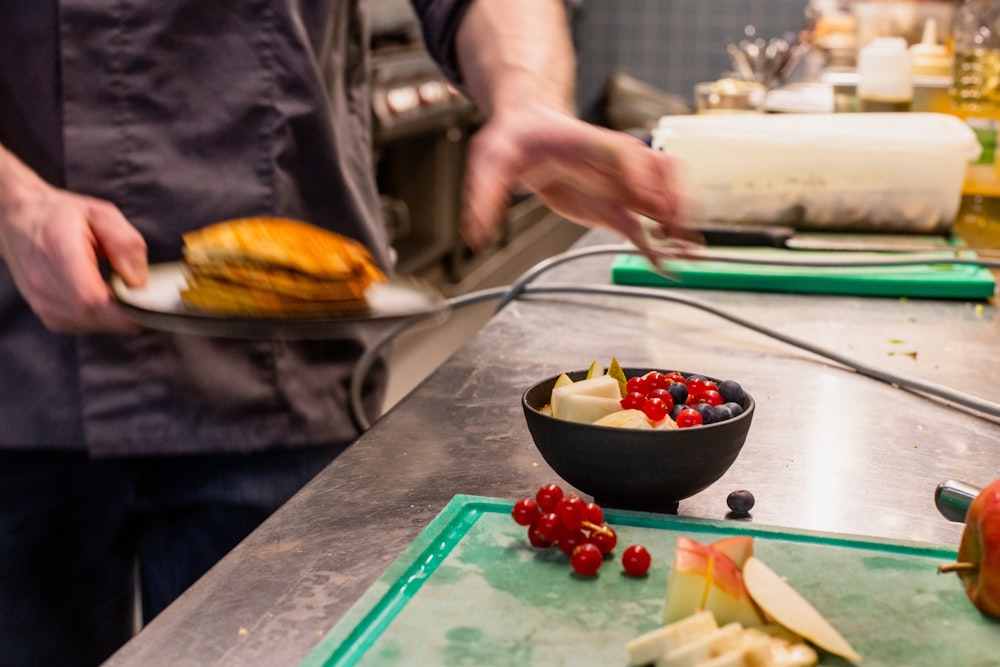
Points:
(421, 130)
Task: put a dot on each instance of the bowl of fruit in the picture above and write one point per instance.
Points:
(638, 438)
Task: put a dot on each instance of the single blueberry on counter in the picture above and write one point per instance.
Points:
(740, 502)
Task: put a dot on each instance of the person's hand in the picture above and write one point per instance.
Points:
(51, 240)
(591, 175)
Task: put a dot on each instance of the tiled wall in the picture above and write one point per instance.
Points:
(669, 44)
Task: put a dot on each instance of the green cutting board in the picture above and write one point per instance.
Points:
(939, 281)
(471, 592)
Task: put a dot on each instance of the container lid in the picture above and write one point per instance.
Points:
(911, 132)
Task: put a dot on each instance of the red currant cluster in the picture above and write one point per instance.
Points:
(577, 527)
(689, 401)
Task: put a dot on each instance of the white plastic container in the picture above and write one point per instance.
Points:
(890, 172)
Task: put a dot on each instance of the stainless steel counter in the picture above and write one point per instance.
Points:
(829, 449)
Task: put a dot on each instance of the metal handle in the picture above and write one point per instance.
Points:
(953, 499)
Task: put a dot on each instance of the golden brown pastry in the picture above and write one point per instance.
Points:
(276, 267)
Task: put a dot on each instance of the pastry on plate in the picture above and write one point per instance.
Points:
(276, 267)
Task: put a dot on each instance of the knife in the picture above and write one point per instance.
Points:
(779, 236)
(953, 499)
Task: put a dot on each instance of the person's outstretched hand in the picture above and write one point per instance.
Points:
(591, 175)
(51, 240)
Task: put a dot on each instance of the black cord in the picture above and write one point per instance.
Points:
(522, 286)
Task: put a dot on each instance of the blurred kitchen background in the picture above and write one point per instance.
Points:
(638, 60)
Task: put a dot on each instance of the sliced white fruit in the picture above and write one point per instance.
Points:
(725, 639)
(587, 400)
(594, 370)
(562, 381)
(786, 606)
(666, 423)
(735, 658)
(625, 419)
(783, 648)
(585, 409)
(648, 647)
(616, 371)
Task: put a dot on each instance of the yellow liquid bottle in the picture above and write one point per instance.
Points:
(975, 97)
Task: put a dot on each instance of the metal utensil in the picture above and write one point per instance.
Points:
(953, 498)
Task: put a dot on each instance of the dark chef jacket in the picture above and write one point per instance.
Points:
(184, 113)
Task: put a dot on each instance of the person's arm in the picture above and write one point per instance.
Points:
(517, 62)
(50, 240)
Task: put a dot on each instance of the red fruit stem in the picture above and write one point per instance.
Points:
(603, 530)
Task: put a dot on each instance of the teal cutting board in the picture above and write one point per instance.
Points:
(471, 592)
(939, 281)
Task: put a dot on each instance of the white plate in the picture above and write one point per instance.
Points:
(158, 305)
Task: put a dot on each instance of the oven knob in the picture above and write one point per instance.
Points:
(401, 100)
(432, 92)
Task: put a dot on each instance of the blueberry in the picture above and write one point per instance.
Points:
(740, 502)
(735, 409)
(676, 410)
(679, 391)
(721, 413)
(706, 411)
(732, 392)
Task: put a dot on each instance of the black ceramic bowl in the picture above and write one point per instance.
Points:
(634, 468)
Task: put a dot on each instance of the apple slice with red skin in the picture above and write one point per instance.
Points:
(979, 551)
(737, 547)
(703, 577)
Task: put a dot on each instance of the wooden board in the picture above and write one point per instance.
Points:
(471, 591)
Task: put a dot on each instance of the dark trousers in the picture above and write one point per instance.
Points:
(74, 530)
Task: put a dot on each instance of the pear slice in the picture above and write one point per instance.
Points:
(617, 372)
(787, 607)
(625, 419)
(725, 639)
(562, 381)
(646, 648)
(594, 370)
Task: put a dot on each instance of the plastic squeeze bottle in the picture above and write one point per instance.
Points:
(885, 75)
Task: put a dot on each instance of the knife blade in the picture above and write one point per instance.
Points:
(779, 236)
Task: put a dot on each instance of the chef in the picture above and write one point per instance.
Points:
(131, 453)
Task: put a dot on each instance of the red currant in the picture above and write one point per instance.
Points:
(549, 527)
(595, 514)
(655, 409)
(676, 376)
(711, 396)
(656, 380)
(688, 417)
(636, 560)
(606, 540)
(571, 540)
(697, 385)
(665, 394)
(586, 559)
(633, 401)
(536, 539)
(525, 511)
(634, 385)
(548, 496)
(572, 512)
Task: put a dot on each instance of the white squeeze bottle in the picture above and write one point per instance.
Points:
(885, 75)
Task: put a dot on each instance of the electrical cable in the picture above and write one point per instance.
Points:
(522, 286)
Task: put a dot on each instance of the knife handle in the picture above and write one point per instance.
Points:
(953, 499)
(756, 236)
